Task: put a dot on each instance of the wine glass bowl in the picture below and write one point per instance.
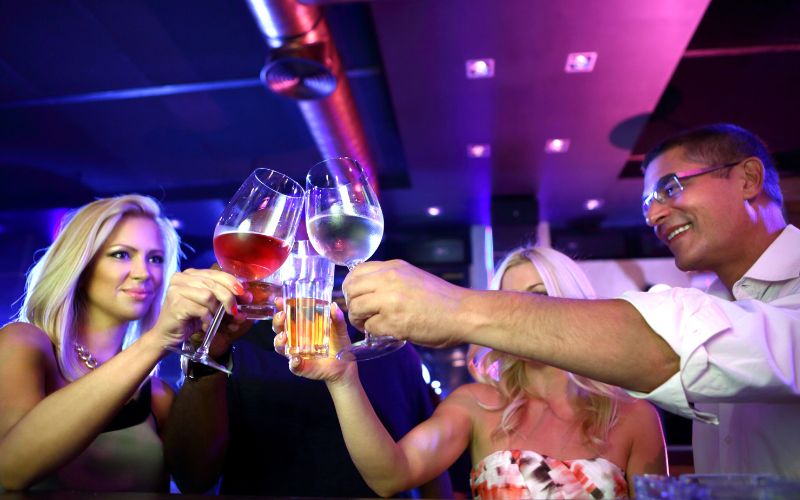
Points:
(344, 222)
(252, 238)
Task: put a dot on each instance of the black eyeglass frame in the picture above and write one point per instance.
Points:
(660, 193)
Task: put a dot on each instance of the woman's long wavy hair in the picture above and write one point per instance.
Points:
(53, 298)
(596, 403)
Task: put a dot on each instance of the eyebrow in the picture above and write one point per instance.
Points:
(530, 288)
(117, 246)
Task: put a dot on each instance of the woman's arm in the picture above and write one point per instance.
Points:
(161, 404)
(387, 467)
(648, 453)
(40, 432)
(421, 455)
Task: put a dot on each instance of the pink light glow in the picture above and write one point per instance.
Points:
(479, 150)
(557, 146)
(480, 68)
(580, 62)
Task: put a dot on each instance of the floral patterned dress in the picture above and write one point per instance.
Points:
(523, 474)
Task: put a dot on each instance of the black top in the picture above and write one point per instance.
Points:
(285, 437)
(134, 412)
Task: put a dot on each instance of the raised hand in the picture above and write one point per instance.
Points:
(395, 298)
(191, 300)
(329, 369)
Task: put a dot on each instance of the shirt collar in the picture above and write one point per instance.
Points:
(779, 262)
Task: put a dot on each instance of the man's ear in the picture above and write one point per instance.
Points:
(753, 178)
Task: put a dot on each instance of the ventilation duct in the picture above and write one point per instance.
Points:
(304, 64)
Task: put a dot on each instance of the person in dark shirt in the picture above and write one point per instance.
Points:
(273, 433)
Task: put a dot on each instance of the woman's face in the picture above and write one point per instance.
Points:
(126, 274)
(523, 277)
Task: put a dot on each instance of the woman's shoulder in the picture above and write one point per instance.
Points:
(477, 393)
(637, 414)
(25, 337)
(26, 349)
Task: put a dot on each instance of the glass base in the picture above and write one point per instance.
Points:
(257, 312)
(192, 355)
(370, 348)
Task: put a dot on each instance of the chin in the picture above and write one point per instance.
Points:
(688, 264)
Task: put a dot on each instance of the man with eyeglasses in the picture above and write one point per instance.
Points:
(729, 358)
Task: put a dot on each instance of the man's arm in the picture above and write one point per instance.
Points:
(607, 340)
(196, 437)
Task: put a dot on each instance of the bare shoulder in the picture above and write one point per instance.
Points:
(638, 415)
(25, 340)
(27, 368)
(475, 395)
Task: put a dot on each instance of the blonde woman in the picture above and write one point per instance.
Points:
(533, 431)
(79, 409)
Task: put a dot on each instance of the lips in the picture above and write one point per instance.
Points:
(675, 232)
(667, 235)
(138, 294)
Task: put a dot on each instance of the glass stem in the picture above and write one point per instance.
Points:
(212, 331)
(350, 267)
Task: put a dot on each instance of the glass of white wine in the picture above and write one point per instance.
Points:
(344, 222)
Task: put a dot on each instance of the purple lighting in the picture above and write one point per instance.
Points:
(593, 204)
(434, 211)
(479, 150)
(556, 146)
(580, 62)
(480, 68)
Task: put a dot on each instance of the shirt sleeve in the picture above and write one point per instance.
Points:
(739, 351)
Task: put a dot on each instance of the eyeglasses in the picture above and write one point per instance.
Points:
(670, 186)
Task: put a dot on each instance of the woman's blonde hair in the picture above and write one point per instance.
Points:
(597, 403)
(52, 298)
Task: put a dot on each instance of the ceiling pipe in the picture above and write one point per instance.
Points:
(295, 33)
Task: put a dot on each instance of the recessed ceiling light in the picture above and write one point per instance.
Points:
(556, 145)
(434, 211)
(479, 150)
(580, 62)
(480, 68)
(593, 204)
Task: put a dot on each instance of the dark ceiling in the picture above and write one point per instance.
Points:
(163, 97)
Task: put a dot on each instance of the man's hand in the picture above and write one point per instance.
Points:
(395, 298)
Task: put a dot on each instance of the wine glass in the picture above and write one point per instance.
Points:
(252, 239)
(344, 222)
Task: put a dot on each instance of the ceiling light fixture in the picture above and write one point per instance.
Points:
(480, 68)
(479, 150)
(434, 211)
(593, 204)
(580, 62)
(556, 145)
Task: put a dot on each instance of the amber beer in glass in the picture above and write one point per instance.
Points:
(307, 289)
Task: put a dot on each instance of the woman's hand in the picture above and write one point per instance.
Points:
(329, 369)
(192, 300)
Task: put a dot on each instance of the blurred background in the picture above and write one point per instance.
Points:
(483, 123)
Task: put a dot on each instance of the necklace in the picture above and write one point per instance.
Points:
(85, 356)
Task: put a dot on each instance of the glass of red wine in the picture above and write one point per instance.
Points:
(344, 222)
(252, 239)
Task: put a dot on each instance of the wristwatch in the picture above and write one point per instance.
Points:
(194, 370)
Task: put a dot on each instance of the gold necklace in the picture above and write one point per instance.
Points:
(84, 355)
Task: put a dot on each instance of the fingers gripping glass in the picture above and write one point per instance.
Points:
(345, 224)
(670, 186)
(252, 239)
